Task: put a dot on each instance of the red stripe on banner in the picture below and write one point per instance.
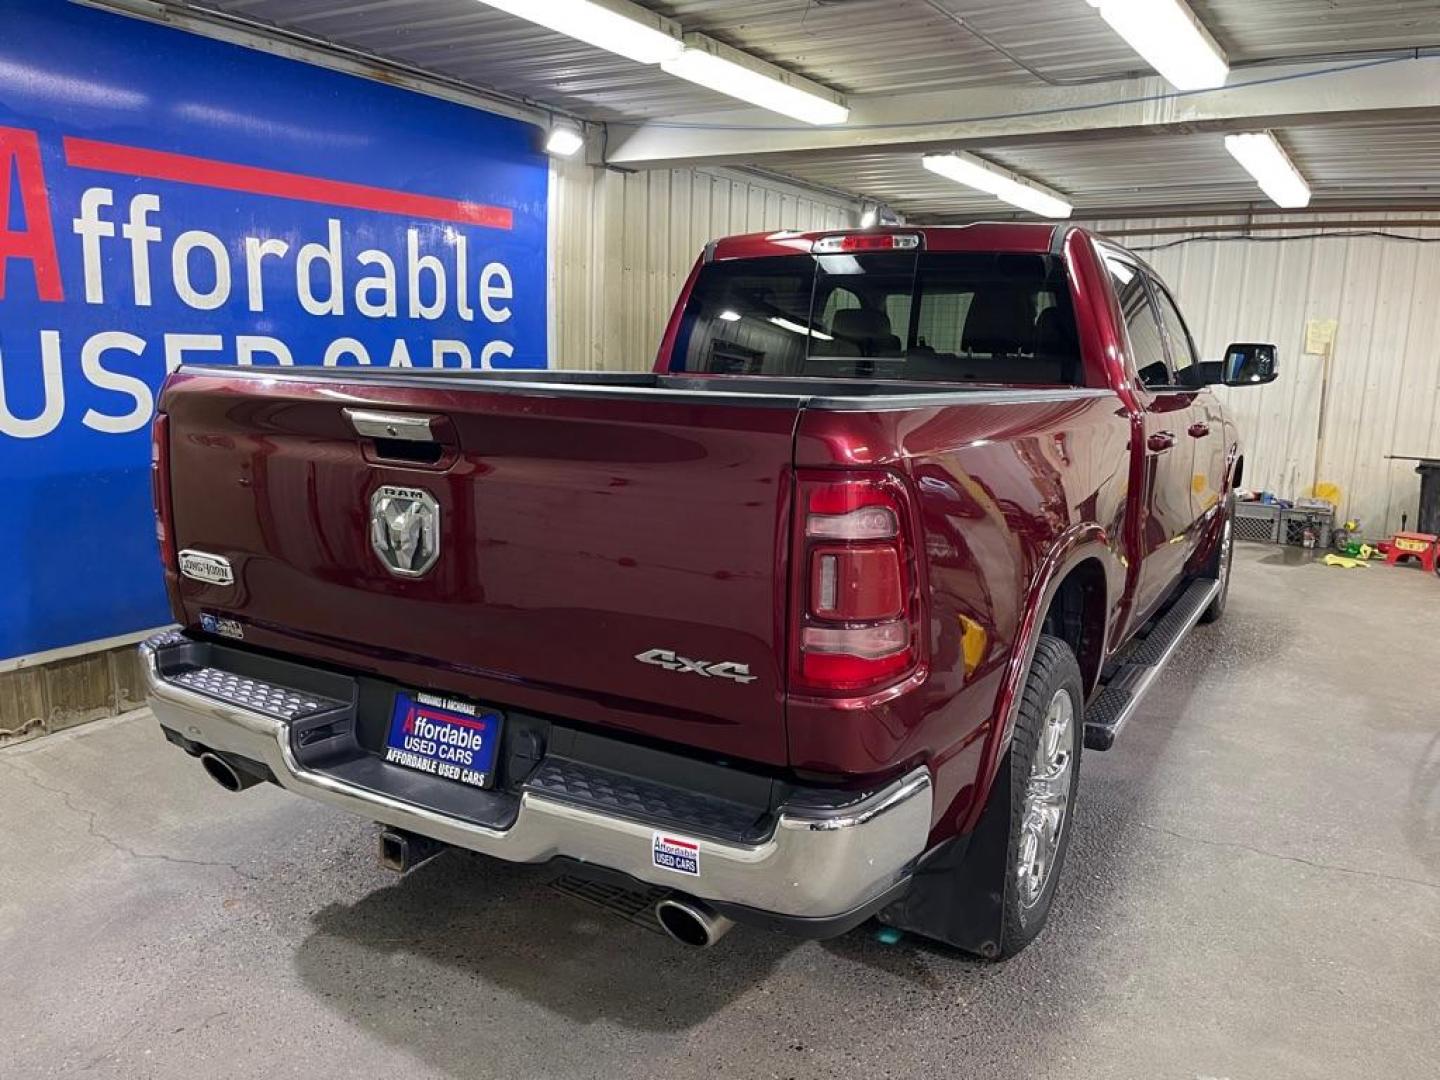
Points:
(159, 165)
(446, 718)
(681, 843)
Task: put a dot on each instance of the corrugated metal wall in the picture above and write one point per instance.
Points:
(1382, 387)
(622, 244)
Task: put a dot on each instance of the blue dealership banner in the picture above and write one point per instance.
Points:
(166, 199)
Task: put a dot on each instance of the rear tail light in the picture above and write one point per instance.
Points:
(160, 488)
(856, 583)
(857, 604)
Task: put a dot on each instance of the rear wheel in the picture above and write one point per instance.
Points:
(1219, 568)
(1044, 778)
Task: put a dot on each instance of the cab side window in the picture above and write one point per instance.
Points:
(1182, 347)
(1147, 345)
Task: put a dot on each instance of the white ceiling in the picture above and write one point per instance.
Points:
(868, 48)
(1346, 165)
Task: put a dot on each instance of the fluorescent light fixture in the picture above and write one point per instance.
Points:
(634, 32)
(564, 140)
(1265, 159)
(1170, 39)
(718, 67)
(796, 328)
(1005, 185)
(613, 25)
(730, 316)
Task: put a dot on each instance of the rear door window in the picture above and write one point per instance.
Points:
(1147, 343)
(840, 299)
(864, 302)
(1182, 347)
(984, 317)
(1001, 318)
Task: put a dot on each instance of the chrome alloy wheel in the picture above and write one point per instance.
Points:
(1047, 799)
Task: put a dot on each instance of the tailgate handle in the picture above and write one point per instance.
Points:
(407, 427)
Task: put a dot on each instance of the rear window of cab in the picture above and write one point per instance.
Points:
(986, 317)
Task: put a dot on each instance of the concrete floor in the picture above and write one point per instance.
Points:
(1253, 892)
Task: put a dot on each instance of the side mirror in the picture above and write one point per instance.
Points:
(1249, 363)
(1245, 364)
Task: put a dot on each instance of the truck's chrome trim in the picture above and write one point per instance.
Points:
(817, 863)
(409, 427)
(824, 395)
(895, 795)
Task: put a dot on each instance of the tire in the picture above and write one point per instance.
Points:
(1044, 761)
(1220, 562)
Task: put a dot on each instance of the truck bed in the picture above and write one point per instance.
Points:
(597, 532)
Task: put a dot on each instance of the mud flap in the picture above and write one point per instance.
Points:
(957, 894)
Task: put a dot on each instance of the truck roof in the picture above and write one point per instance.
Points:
(1019, 236)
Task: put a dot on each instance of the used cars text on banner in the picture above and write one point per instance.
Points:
(168, 199)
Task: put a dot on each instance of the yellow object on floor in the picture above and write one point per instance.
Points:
(1342, 560)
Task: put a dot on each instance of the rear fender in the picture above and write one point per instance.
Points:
(1072, 547)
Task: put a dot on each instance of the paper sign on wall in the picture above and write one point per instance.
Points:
(1319, 336)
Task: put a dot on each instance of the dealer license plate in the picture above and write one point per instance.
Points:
(444, 737)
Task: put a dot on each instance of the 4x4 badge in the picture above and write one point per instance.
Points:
(671, 661)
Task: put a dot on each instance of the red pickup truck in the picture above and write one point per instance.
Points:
(806, 626)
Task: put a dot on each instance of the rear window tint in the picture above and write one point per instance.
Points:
(999, 317)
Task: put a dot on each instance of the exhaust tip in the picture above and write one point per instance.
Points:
(221, 771)
(691, 922)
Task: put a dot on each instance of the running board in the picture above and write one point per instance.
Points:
(1140, 662)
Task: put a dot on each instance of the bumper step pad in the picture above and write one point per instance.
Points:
(1135, 669)
(269, 698)
(604, 790)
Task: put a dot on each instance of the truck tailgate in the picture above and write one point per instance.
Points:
(575, 534)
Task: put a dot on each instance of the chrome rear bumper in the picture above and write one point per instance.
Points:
(817, 864)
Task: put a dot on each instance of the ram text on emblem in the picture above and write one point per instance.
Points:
(405, 529)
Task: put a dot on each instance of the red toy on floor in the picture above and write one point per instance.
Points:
(1408, 545)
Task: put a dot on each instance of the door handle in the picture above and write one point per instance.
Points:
(404, 427)
(1160, 441)
(1199, 429)
(418, 440)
